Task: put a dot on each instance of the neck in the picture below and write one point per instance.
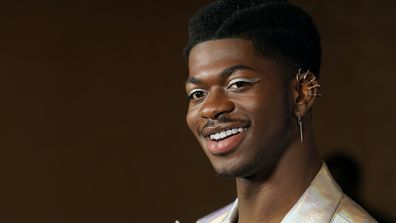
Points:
(269, 199)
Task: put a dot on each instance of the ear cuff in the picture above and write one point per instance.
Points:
(312, 85)
(307, 81)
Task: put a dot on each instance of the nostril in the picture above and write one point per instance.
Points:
(219, 115)
(213, 109)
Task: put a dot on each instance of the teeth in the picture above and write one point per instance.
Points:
(223, 134)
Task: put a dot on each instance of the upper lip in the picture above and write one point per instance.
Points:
(207, 131)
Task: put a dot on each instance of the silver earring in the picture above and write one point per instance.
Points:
(301, 77)
(314, 86)
(300, 125)
(298, 74)
(315, 94)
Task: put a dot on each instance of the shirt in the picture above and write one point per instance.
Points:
(322, 202)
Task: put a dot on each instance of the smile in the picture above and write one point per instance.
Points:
(226, 140)
(218, 136)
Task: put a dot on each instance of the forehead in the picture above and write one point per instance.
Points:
(217, 54)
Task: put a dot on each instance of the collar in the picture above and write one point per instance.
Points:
(318, 203)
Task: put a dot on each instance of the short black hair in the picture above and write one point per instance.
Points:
(278, 30)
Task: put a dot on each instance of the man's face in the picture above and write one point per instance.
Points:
(239, 107)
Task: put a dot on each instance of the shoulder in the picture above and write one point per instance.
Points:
(350, 212)
(217, 216)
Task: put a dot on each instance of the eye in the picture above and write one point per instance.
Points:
(239, 83)
(197, 94)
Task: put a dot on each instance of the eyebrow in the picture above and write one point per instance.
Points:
(223, 74)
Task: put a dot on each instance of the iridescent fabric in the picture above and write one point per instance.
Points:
(322, 202)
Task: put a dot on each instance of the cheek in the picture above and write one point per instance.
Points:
(256, 106)
(262, 107)
(191, 120)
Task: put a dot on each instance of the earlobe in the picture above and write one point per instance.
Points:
(307, 87)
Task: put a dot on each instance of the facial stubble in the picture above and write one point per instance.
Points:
(267, 157)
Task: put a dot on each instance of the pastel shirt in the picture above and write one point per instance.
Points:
(322, 202)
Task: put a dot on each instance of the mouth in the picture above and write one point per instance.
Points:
(219, 136)
(225, 141)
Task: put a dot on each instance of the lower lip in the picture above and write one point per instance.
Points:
(224, 146)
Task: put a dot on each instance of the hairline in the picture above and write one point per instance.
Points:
(286, 67)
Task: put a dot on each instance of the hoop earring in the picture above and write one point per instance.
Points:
(300, 125)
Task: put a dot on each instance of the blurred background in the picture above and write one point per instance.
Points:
(92, 109)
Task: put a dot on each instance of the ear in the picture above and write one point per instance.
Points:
(306, 87)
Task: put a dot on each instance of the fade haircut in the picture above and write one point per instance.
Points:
(278, 30)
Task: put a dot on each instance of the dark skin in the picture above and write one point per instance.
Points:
(233, 87)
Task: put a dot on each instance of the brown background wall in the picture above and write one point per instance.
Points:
(92, 109)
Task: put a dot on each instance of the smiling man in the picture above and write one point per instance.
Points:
(253, 79)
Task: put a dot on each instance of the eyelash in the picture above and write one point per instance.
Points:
(193, 92)
(244, 81)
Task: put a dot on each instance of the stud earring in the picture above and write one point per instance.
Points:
(300, 125)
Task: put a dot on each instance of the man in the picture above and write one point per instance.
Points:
(253, 78)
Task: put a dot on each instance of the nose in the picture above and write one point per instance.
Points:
(216, 104)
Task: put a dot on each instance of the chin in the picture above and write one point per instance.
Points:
(261, 164)
(235, 170)
(234, 173)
